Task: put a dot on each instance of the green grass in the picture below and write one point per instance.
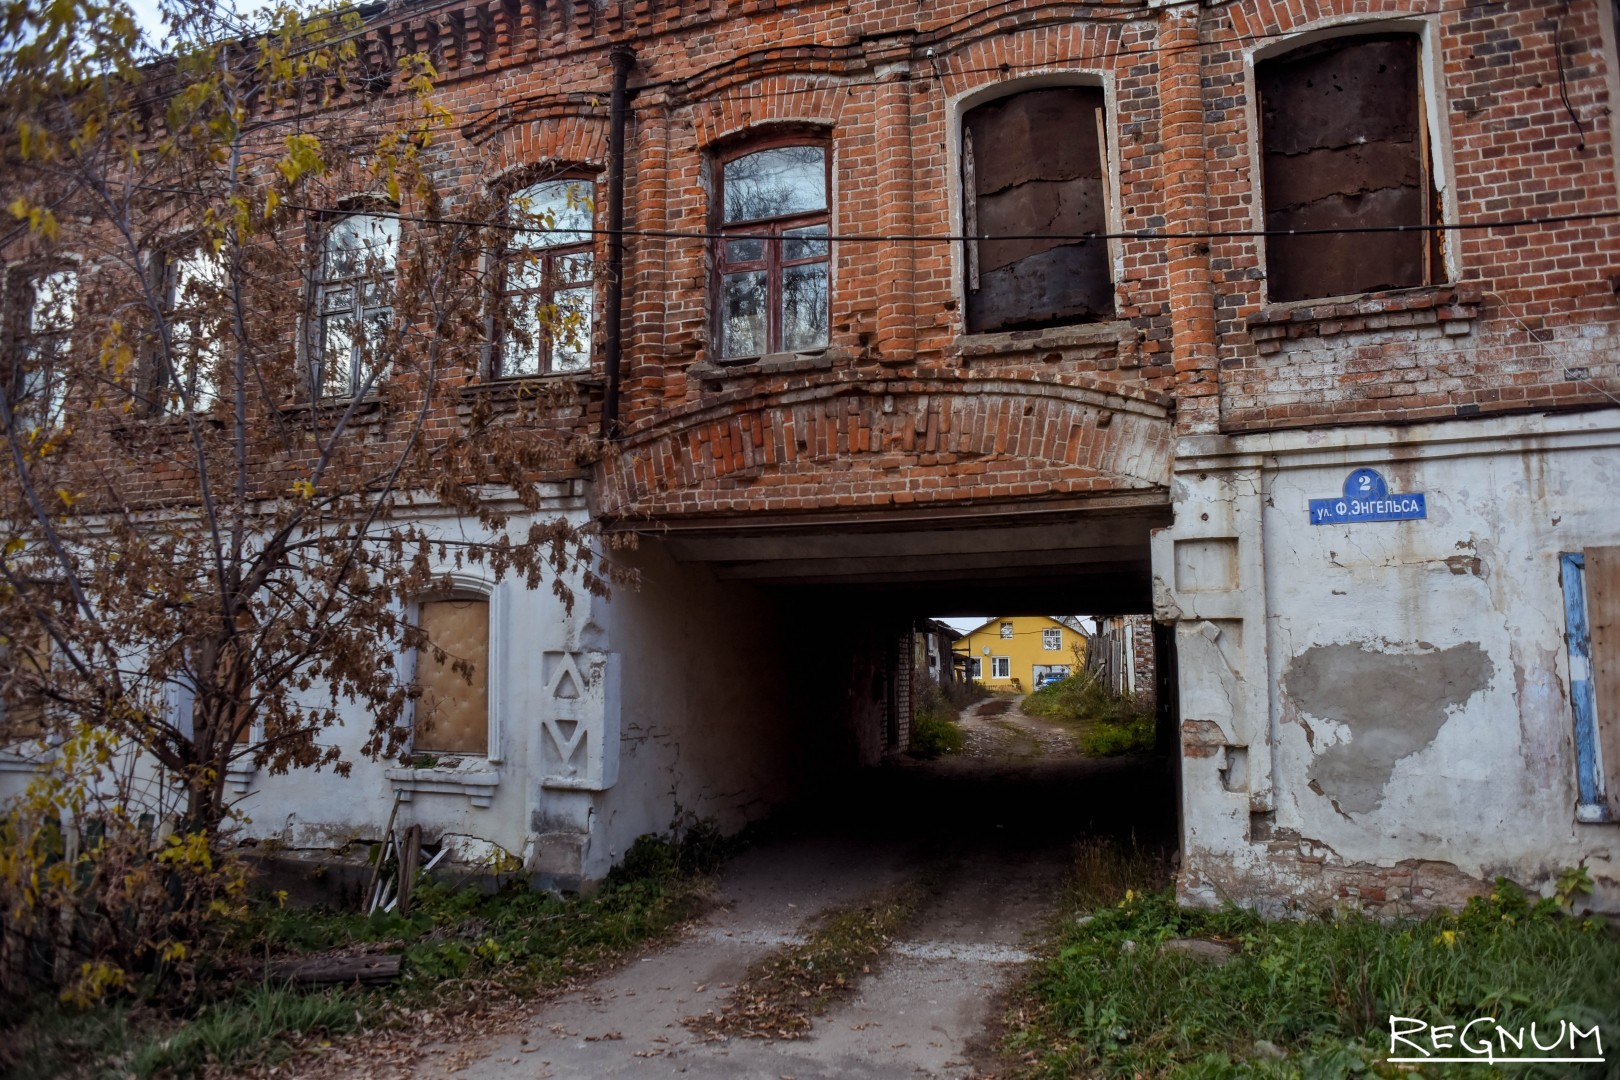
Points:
(1307, 998)
(505, 943)
(255, 1028)
(1105, 723)
(934, 731)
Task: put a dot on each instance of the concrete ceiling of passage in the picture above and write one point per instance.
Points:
(1091, 557)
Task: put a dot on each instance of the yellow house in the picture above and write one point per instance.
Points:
(1010, 651)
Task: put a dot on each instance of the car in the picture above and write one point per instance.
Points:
(1047, 678)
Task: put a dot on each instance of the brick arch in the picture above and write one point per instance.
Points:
(878, 443)
(809, 98)
(572, 140)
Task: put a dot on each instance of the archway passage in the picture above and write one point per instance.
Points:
(809, 633)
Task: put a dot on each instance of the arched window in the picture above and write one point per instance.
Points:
(1033, 175)
(773, 259)
(354, 302)
(546, 281)
(452, 673)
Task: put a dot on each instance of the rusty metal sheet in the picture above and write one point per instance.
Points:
(1062, 284)
(1064, 208)
(1336, 264)
(1035, 167)
(1341, 126)
(1036, 135)
(453, 713)
(1340, 92)
(1343, 171)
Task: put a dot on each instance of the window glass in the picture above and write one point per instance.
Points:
(355, 302)
(1000, 667)
(1006, 629)
(452, 713)
(773, 282)
(195, 301)
(49, 302)
(547, 286)
(775, 183)
(1052, 639)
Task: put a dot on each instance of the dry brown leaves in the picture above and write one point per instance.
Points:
(782, 991)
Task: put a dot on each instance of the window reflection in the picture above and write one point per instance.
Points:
(773, 277)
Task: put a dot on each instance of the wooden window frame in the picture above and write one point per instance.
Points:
(1001, 667)
(1046, 636)
(1592, 624)
(324, 223)
(551, 283)
(162, 375)
(22, 338)
(770, 230)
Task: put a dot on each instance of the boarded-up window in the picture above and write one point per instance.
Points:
(1033, 174)
(25, 666)
(1345, 145)
(452, 715)
(1591, 581)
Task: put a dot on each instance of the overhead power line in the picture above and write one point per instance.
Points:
(956, 238)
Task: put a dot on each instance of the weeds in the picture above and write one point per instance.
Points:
(933, 724)
(782, 992)
(1105, 723)
(1302, 998)
(463, 948)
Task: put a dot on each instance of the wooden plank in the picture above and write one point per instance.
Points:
(1603, 616)
(335, 971)
(453, 712)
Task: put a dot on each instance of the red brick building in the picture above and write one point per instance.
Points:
(964, 304)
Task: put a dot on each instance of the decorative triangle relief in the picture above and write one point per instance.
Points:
(572, 713)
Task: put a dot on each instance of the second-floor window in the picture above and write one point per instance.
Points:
(354, 302)
(1344, 145)
(547, 281)
(1052, 640)
(1033, 182)
(773, 259)
(42, 308)
(194, 305)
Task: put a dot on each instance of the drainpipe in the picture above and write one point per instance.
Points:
(624, 58)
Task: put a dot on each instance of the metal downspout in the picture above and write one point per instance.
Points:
(624, 58)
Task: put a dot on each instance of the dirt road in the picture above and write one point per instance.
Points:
(996, 826)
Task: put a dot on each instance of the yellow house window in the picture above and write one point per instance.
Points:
(1000, 667)
(1006, 630)
(1052, 640)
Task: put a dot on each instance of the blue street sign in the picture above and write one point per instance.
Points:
(1367, 498)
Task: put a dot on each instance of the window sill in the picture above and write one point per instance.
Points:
(1050, 343)
(473, 778)
(1451, 307)
(332, 407)
(783, 363)
(524, 387)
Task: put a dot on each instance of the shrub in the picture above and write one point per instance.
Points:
(933, 723)
(1106, 723)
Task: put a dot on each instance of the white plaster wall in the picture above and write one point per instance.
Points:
(1494, 791)
(1458, 618)
(308, 809)
(706, 720)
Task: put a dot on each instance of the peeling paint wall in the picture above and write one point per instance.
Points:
(1405, 733)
